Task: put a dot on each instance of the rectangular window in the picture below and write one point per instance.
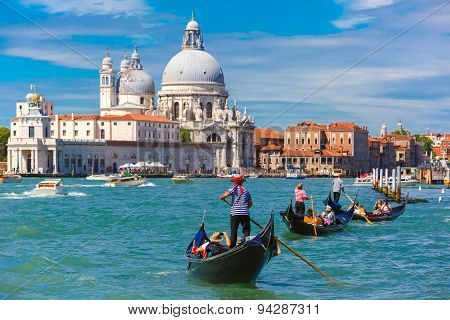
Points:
(64, 124)
(88, 133)
(315, 141)
(115, 123)
(64, 133)
(303, 140)
(102, 124)
(309, 141)
(88, 123)
(76, 133)
(129, 123)
(14, 133)
(289, 140)
(52, 133)
(142, 100)
(76, 123)
(296, 140)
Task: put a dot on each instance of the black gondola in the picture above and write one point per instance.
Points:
(299, 226)
(242, 264)
(394, 214)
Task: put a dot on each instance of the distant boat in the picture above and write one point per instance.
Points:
(363, 181)
(101, 177)
(49, 187)
(181, 179)
(10, 178)
(126, 180)
(295, 174)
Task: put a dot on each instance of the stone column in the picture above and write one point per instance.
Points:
(36, 161)
(55, 163)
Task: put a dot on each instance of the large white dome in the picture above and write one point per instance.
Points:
(135, 81)
(193, 66)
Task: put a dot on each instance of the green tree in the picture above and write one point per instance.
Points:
(427, 143)
(4, 136)
(185, 135)
(402, 132)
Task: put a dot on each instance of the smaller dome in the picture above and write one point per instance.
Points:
(28, 97)
(192, 26)
(33, 97)
(135, 55)
(125, 63)
(107, 60)
(135, 82)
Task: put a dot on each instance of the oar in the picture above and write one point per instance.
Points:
(295, 252)
(362, 213)
(314, 216)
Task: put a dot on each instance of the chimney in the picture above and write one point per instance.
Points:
(73, 116)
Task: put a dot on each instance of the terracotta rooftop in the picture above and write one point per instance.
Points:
(78, 117)
(268, 133)
(272, 147)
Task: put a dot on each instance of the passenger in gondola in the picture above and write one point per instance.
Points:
(386, 208)
(377, 208)
(241, 202)
(300, 197)
(328, 216)
(214, 246)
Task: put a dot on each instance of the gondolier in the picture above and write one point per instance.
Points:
(338, 186)
(300, 197)
(241, 203)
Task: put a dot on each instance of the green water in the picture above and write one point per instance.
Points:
(128, 243)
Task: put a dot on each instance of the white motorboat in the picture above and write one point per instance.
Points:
(127, 180)
(10, 178)
(295, 174)
(181, 179)
(49, 187)
(253, 176)
(101, 177)
(363, 181)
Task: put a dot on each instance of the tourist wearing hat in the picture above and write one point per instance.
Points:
(214, 246)
(300, 197)
(328, 216)
(241, 202)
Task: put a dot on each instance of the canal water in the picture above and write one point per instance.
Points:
(96, 242)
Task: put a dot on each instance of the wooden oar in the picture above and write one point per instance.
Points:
(362, 213)
(309, 263)
(314, 216)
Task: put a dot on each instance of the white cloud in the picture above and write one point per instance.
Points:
(365, 4)
(89, 7)
(351, 23)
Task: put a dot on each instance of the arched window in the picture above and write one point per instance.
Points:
(107, 81)
(209, 110)
(214, 137)
(176, 110)
(102, 134)
(103, 81)
(142, 100)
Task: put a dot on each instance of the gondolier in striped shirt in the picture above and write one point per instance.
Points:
(241, 203)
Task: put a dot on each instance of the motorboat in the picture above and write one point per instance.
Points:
(363, 181)
(295, 174)
(181, 179)
(101, 177)
(10, 178)
(126, 180)
(49, 187)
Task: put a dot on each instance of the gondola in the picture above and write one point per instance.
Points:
(241, 264)
(395, 213)
(299, 226)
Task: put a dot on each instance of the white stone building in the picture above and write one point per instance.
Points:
(130, 128)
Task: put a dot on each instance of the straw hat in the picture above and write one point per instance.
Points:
(216, 237)
(238, 176)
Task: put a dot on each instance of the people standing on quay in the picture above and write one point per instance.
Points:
(338, 186)
(241, 202)
(300, 197)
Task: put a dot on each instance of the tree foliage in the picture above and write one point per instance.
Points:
(402, 132)
(427, 143)
(4, 136)
(185, 135)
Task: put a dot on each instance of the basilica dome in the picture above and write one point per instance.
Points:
(193, 66)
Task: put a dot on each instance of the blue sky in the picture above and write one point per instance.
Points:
(273, 55)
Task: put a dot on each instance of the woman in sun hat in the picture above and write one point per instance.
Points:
(241, 202)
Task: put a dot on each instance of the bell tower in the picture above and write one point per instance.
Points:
(107, 84)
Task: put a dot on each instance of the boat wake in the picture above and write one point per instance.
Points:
(31, 194)
(147, 184)
(83, 185)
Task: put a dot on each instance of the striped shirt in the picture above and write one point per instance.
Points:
(338, 184)
(240, 201)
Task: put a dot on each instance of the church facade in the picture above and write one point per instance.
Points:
(136, 123)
